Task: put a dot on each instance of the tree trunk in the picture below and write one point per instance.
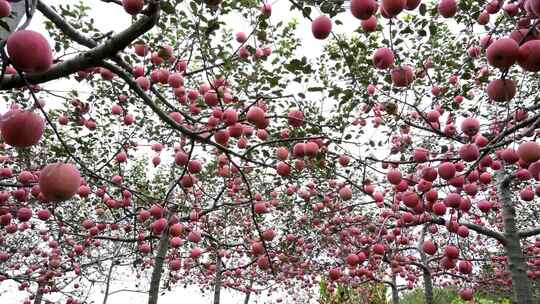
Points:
(217, 281)
(108, 284)
(248, 293)
(163, 246)
(426, 275)
(514, 253)
(428, 284)
(395, 292)
(39, 295)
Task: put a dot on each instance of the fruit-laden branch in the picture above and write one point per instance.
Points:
(169, 121)
(516, 261)
(529, 232)
(92, 57)
(477, 228)
(65, 27)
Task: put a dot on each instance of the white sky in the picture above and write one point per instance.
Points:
(103, 14)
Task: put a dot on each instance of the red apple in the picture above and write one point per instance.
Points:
(29, 51)
(503, 53)
(501, 90)
(321, 27)
(21, 128)
(59, 181)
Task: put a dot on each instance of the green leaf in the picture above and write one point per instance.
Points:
(167, 7)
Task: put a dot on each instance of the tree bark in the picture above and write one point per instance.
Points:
(426, 275)
(163, 246)
(428, 284)
(217, 281)
(516, 261)
(248, 293)
(39, 296)
(108, 284)
(395, 292)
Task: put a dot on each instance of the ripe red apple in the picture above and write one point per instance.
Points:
(447, 8)
(159, 226)
(363, 9)
(429, 247)
(446, 170)
(296, 118)
(334, 274)
(501, 90)
(402, 76)
(383, 58)
(344, 160)
(5, 9)
(321, 27)
(352, 259)
(529, 151)
(412, 4)
(29, 51)
(369, 25)
(529, 56)
(141, 49)
(266, 9)
(534, 6)
(439, 208)
(393, 7)
(133, 7)
(143, 83)
(241, 37)
(24, 214)
(469, 152)
(282, 153)
(466, 294)
(378, 249)
(451, 251)
(394, 177)
(470, 126)
(345, 193)
(503, 53)
(283, 169)
(59, 181)
(21, 128)
(256, 116)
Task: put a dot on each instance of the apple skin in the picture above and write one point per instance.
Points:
(501, 90)
(447, 8)
(5, 9)
(29, 51)
(383, 58)
(363, 9)
(503, 53)
(321, 27)
(529, 151)
(21, 128)
(59, 181)
(402, 76)
(529, 56)
(133, 7)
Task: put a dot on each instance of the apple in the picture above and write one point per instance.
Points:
(59, 181)
(29, 51)
(321, 27)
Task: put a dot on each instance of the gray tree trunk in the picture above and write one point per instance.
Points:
(395, 292)
(248, 293)
(217, 281)
(426, 275)
(163, 246)
(108, 284)
(428, 284)
(516, 261)
(39, 295)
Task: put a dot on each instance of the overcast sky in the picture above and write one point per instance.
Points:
(111, 17)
